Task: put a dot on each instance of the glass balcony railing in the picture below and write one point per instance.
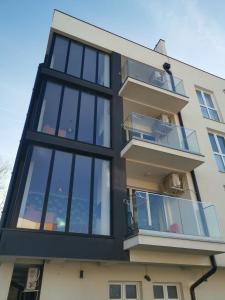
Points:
(150, 75)
(166, 134)
(171, 215)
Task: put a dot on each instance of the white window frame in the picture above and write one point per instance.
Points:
(220, 153)
(208, 108)
(165, 285)
(123, 289)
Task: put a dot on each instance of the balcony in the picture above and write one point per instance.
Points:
(165, 145)
(153, 87)
(159, 222)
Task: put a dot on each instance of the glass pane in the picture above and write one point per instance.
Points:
(103, 69)
(208, 100)
(200, 98)
(58, 60)
(115, 291)
(131, 291)
(101, 201)
(34, 192)
(205, 112)
(220, 163)
(213, 142)
(221, 143)
(68, 118)
(58, 195)
(213, 115)
(172, 292)
(79, 215)
(86, 119)
(158, 292)
(75, 59)
(103, 122)
(50, 108)
(89, 70)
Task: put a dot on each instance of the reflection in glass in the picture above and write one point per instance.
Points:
(68, 116)
(34, 192)
(58, 60)
(103, 69)
(103, 122)
(58, 195)
(50, 108)
(101, 201)
(86, 118)
(79, 215)
(89, 68)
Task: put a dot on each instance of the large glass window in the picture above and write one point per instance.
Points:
(218, 147)
(68, 117)
(59, 191)
(50, 108)
(35, 188)
(103, 69)
(103, 123)
(89, 69)
(59, 54)
(101, 209)
(83, 61)
(207, 107)
(86, 118)
(75, 60)
(83, 116)
(76, 199)
(79, 216)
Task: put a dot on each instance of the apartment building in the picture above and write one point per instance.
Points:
(118, 189)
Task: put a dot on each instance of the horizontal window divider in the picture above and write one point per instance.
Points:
(65, 234)
(67, 79)
(58, 143)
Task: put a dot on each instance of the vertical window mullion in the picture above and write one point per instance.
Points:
(96, 67)
(47, 190)
(95, 120)
(70, 193)
(67, 57)
(60, 111)
(78, 116)
(82, 63)
(91, 196)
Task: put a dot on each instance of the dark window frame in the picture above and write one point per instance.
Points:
(80, 91)
(55, 35)
(71, 180)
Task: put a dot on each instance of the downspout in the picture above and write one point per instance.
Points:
(204, 277)
(213, 269)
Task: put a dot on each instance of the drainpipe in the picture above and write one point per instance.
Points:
(213, 270)
(166, 67)
(204, 277)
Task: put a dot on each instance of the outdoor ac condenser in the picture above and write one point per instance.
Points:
(173, 184)
(32, 279)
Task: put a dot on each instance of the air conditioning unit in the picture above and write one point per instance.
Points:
(164, 118)
(173, 184)
(32, 279)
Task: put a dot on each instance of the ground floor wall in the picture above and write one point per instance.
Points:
(86, 280)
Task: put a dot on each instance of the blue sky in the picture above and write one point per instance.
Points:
(194, 32)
